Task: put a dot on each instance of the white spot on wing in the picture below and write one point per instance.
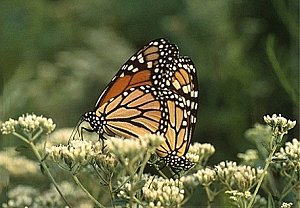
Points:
(130, 68)
(185, 89)
(149, 64)
(176, 84)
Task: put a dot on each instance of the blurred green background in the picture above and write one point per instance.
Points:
(58, 55)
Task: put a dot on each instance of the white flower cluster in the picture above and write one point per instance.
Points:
(289, 156)
(8, 127)
(127, 148)
(286, 205)
(26, 196)
(28, 123)
(20, 196)
(76, 152)
(160, 192)
(199, 153)
(203, 177)
(18, 165)
(59, 136)
(126, 188)
(279, 124)
(237, 177)
(225, 171)
(237, 195)
(106, 162)
(250, 156)
(133, 149)
(153, 140)
(260, 133)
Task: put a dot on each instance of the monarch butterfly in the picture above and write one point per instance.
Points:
(154, 92)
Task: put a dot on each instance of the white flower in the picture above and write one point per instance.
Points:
(279, 124)
(28, 123)
(289, 156)
(206, 176)
(286, 205)
(8, 127)
(168, 192)
(199, 153)
(18, 165)
(241, 178)
(128, 151)
(236, 195)
(251, 155)
(76, 152)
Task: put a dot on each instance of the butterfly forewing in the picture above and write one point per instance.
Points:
(146, 67)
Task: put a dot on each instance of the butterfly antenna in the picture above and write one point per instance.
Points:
(76, 131)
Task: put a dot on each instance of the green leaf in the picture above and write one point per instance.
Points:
(271, 202)
(120, 202)
(138, 185)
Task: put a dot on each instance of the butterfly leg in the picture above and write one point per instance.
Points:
(102, 138)
(85, 129)
(176, 173)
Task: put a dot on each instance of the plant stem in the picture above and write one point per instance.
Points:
(37, 135)
(297, 191)
(86, 191)
(288, 187)
(268, 162)
(38, 156)
(143, 165)
(21, 137)
(111, 193)
(286, 84)
(210, 196)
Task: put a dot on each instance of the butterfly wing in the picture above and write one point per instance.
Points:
(184, 83)
(134, 113)
(154, 92)
(149, 110)
(149, 66)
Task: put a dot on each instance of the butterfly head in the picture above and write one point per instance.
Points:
(95, 121)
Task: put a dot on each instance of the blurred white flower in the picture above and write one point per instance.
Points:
(249, 157)
(26, 196)
(236, 195)
(18, 165)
